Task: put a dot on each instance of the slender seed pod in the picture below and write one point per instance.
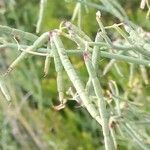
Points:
(112, 132)
(15, 32)
(119, 7)
(95, 60)
(77, 30)
(47, 64)
(101, 101)
(41, 12)
(74, 78)
(120, 31)
(131, 75)
(118, 70)
(144, 73)
(59, 70)
(110, 6)
(40, 41)
(139, 44)
(78, 40)
(108, 66)
(47, 60)
(103, 33)
(115, 91)
(4, 90)
(77, 13)
(79, 16)
(148, 14)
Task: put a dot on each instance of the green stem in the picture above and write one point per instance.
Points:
(116, 56)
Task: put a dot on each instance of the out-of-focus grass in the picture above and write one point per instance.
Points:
(29, 121)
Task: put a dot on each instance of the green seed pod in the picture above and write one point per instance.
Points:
(5, 90)
(47, 64)
(40, 41)
(100, 98)
(59, 71)
(75, 78)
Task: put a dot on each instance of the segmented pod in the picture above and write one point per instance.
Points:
(5, 90)
(47, 64)
(74, 78)
(77, 30)
(40, 41)
(16, 32)
(115, 91)
(95, 59)
(100, 98)
(41, 13)
(59, 70)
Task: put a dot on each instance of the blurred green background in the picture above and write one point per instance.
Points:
(29, 121)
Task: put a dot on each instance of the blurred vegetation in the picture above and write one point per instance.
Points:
(29, 121)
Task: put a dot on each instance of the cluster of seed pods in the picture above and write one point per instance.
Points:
(91, 52)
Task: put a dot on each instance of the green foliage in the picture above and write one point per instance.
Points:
(36, 125)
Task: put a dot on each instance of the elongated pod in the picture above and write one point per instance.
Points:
(41, 13)
(101, 102)
(47, 64)
(5, 30)
(74, 78)
(59, 71)
(40, 41)
(77, 30)
(95, 59)
(4, 90)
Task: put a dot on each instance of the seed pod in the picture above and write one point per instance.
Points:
(59, 71)
(100, 98)
(40, 41)
(142, 4)
(75, 78)
(77, 31)
(47, 64)
(41, 12)
(5, 90)
(15, 32)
